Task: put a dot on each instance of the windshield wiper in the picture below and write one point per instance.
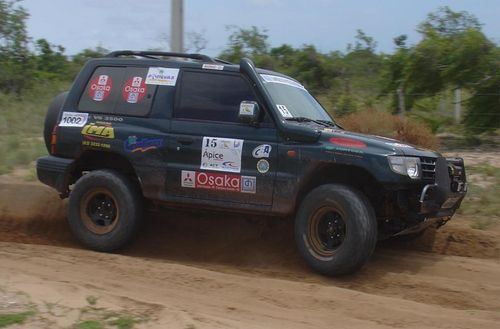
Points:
(331, 124)
(304, 119)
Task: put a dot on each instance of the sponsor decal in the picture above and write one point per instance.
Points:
(218, 182)
(213, 67)
(247, 108)
(262, 151)
(221, 154)
(100, 87)
(105, 118)
(347, 142)
(73, 119)
(276, 79)
(96, 144)
(284, 111)
(162, 76)
(94, 130)
(134, 144)
(338, 150)
(134, 90)
(263, 166)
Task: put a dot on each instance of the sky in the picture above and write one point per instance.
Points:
(327, 24)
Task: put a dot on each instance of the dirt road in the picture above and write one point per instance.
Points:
(188, 270)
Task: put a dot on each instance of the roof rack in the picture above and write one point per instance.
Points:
(153, 54)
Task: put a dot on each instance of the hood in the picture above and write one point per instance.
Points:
(389, 145)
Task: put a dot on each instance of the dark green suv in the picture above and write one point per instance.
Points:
(187, 130)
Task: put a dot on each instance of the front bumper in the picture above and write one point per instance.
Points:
(444, 197)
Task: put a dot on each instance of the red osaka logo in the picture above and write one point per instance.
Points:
(100, 87)
(134, 90)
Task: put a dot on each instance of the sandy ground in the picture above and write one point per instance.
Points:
(191, 270)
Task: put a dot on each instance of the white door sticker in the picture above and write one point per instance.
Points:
(73, 119)
(284, 111)
(262, 151)
(162, 76)
(221, 154)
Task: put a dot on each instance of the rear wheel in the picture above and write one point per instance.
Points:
(104, 210)
(335, 229)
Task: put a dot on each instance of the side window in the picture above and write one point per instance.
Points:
(211, 96)
(118, 90)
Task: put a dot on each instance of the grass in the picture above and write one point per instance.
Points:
(21, 125)
(483, 197)
(90, 324)
(14, 318)
(124, 322)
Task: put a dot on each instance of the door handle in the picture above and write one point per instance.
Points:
(185, 140)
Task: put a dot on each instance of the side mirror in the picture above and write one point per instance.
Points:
(249, 113)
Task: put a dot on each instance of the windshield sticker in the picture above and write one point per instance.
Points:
(218, 182)
(134, 90)
(162, 76)
(284, 111)
(221, 154)
(100, 88)
(73, 119)
(285, 81)
(213, 67)
(262, 151)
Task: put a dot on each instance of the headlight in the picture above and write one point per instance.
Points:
(409, 166)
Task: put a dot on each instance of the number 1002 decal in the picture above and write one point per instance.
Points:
(73, 119)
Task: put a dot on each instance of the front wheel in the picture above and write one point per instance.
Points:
(104, 210)
(335, 229)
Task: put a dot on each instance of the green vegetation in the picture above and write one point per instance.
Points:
(483, 195)
(124, 322)
(90, 324)
(15, 318)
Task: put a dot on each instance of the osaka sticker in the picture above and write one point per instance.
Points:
(73, 119)
(263, 166)
(284, 111)
(162, 76)
(134, 90)
(100, 88)
(221, 154)
(262, 151)
(134, 144)
(218, 182)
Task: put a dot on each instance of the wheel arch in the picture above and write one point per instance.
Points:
(94, 160)
(349, 175)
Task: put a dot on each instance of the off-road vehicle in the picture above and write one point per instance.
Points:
(186, 130)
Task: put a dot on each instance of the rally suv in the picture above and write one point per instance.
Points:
(187, 130)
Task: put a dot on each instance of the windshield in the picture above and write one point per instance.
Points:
(292, 99)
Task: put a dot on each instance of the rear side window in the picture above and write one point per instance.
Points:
(211, 96)
(118, 90)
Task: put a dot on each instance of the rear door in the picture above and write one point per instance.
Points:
(212, 156)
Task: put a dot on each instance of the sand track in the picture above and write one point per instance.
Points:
(213, 271)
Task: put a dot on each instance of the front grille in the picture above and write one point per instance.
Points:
(428, 169)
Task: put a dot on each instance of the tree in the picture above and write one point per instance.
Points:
(250, 43)
(51, 62)
(16, 61)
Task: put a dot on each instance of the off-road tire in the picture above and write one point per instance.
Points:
(360, 229)
(110, 187)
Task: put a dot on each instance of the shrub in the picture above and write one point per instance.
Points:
(392, 126)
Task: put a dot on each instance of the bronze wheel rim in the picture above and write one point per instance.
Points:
(326, 232)
(99, 211)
